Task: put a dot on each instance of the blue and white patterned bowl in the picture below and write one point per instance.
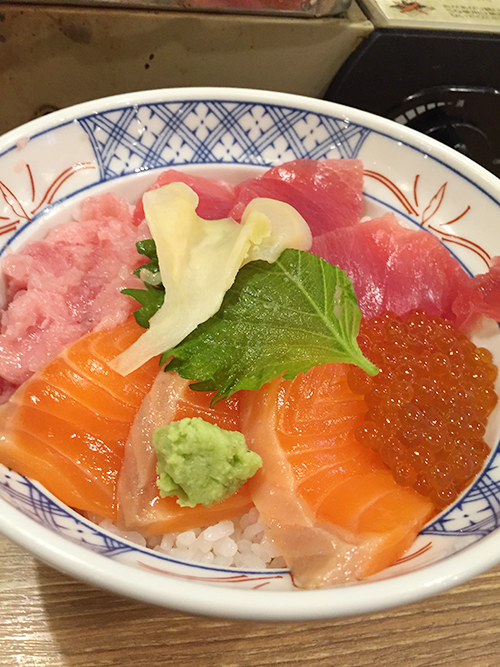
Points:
(120, 143)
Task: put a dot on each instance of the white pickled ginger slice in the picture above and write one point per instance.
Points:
(199, 260)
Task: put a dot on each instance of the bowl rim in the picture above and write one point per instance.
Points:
(254, 605)
(197, 597)
(255, 96)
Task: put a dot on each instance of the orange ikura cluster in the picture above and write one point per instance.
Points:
(429, 404)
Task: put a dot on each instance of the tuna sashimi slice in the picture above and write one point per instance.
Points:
(327, 193)
(399, 269)
(140, 505)
(330, 506)
(216, 197)
(483, 297)
(66, 426)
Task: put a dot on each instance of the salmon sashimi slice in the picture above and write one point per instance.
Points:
(139, 503)
(330, 506)
(66, 426)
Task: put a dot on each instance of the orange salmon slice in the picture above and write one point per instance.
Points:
(140, 505)
(330, 506)
(66, 427)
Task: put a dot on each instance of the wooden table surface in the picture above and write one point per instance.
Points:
(48, 619)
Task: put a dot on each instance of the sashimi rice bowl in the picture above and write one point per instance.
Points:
(248, 354)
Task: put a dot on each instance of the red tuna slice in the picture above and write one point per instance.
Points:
(327, 193)
(216, 197)
(399, 269)
(484, 298)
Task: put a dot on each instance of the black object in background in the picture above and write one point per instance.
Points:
(445, 84)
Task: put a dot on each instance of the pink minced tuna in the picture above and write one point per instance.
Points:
(62, 287)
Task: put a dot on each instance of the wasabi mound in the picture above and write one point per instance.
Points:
(201, 463)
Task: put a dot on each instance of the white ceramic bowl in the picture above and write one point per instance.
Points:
(120, 143)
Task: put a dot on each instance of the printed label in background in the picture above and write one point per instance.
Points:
(476, 15)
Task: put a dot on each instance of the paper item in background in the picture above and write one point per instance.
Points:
(471, 15)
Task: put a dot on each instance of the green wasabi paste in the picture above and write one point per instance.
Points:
(200, 463)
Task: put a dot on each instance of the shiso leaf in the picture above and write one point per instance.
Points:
(150, 299)
(276, 319)
(147, 247)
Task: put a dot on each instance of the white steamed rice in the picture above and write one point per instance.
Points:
(239, 543)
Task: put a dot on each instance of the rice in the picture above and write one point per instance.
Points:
(240, 543)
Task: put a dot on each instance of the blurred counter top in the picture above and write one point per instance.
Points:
(54, 56)
(50, 620)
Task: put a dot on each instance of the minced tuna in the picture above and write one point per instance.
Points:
(62, 287)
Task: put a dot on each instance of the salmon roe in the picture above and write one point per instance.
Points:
(429, 404)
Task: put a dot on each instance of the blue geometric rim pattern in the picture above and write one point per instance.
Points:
(34, 503)
(197, 132)
(482, 500)
(129, 140)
